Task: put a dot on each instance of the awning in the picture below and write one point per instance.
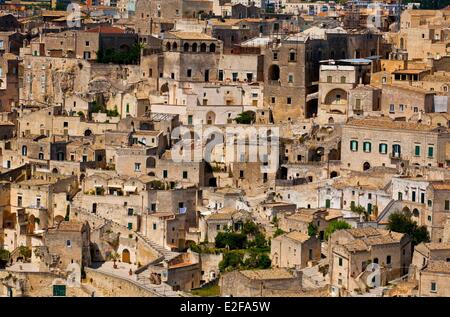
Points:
(130, 188)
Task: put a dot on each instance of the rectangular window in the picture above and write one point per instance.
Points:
(422, 198)
(241, 174)
(433, 287)
(417, 150)
(189, 73)
(68, 243)
(430, 151)
(388, 259)
(367, 147)
(185, 174)
(130, 226)
(220, 75)
(383, 148)
(391, 108)
(154, 226)
(289, 100)
(354, 146)
(340, 261)
(413, 196)
(290, 78)
(137, 167)
(447, 205)
(130, 211)
(165, 173)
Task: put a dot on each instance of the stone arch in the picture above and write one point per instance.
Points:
(336, 96)
(168, 46)
(366, 166)
(415, 212)
(203, 47)
(151, 162)
(186, 47)
(58, 219)
(212, 48)
(334, 155)
(274, 72)
(406, 211)
(210, 117)
(126, 256)
(194, 47)
(174, 46)
(164, 88)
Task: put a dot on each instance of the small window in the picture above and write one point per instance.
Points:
(430, 152)
(185, 174)
(154, 226)
(340, 261)
(189, 73)
(68, 243)
(241, 174)
(343, 80)
(367, 146)
(433, 287)
(447, 205)
(383, 148)
(137, 167)
(289, 100)
(417, 150)
(354, 146)
(388, 259)
(165, 173)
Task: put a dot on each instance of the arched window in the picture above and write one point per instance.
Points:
(292, 56)
(174, 46)
(203, 47)
(212, 48)
(24, 150)
(168, 46)
(194, 47)
(186, 47)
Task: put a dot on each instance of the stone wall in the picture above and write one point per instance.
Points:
(113, 286)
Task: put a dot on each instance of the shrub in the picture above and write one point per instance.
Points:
(231, 240)
(334, 226)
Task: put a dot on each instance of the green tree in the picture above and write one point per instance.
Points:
(278, 232)
(402, 223)
(246, 117)
(231, 240)
(312, 229)
(360, 210)
(231, 260)
(334, 226)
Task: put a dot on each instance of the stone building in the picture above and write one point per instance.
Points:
(294, 250)
(383, 142)
(259, 283)
(352, 251)
(70, 242)
(336, 80)
(434, 279)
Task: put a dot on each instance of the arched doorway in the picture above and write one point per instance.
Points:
(274, 73)
(366, 166)
(210, 117)
(126, 256)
